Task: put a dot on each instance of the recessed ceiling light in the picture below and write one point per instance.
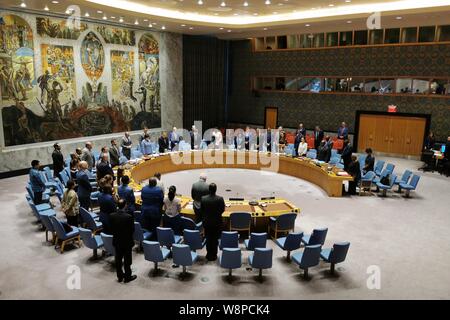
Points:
(145, 20)
(348, 1)
(163, 27)
(275, 12)
(200, 2)
(245, 4)
(136, 22)
(399, 18)
(121, 19)
(228, 30)
(23, 5)
(112, 17)
(67, 11)
(220, 28)
(99, 11)
(183, 25)
(55, 2)
(223, 4)
(349, 21)
(281, 4)
(267, 2)
(104, 18)
(331, 5)
(265, 29)
(154, 23)
(313, 8)
(216, 14)
(235, 14)
(255, 14)
(150, 25)
(46, 8)
(191, 28)
(87, 14)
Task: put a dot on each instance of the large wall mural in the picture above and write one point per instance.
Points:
(77, 91)
(47, 27)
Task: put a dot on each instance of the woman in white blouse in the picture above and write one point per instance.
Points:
(302, 148)
(172, 209)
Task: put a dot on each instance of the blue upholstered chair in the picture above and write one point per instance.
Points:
(379, 167)
(385, 188)
(135, 154)
(365, 184)
(257, 240)
(65, 178)
(229, 239)
(335, 255)
(378, 178)
(40, 208)
(390, 168)
(89, 219)
(193, 239)
(64, 236)
(91, 241)
(188, 223)
(312, 154)
(412, 185)
(108, 244)
(308, 258)
(317, 237)
(154, 253)
(183, 256)
(140, 234)
(240, 221)
(283, 223)
(47, 223)
(230, 259)
(261, 259)
(166, 237)
(123, 160)
(290, 243)
(404, 179)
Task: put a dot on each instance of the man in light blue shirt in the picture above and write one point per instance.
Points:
(37, 185)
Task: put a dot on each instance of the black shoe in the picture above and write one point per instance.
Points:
(175, 266)
(133, 277)
(119, 279)
(211, 258)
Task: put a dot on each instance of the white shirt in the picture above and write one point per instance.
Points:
(302, 148)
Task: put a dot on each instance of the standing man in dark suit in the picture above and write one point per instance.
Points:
(152, 202)
(355, 171)
(199, 189)
(114, 154)
(103, 167)
(122, 226)
(318, 137)
(343, 131)
(163, 143)
(195, 138)
(301, 129)
(84, 186)
(330, 147)
(347, 154)
(58, 161)
(212, 207)
(298, 139)
(88, 155)
(126, 145)
(369, 162)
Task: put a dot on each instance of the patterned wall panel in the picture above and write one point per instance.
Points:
(327, 110)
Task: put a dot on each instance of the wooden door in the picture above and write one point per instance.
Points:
(397, 135)
(415, 133)
(382, 134)
(367, 130)
(271, 118)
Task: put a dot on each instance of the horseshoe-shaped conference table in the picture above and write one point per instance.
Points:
(329, 178)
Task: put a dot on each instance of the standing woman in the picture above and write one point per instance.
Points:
(70, 205)
(74, 165)
(172, 209)
(126, 144)
(302, 147)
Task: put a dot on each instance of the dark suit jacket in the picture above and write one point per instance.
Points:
(369, 163)
(211, 209)
(114, 156)
(163, 144)
(347, 155)
(84, 185)
(107, 206)
(318, 137)
(195, 140)
(343, 132)
(355, 171)
(199, 189)
(103, 169)
(122, 229)
(126, 193)
(58, 161)
(152, 201)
